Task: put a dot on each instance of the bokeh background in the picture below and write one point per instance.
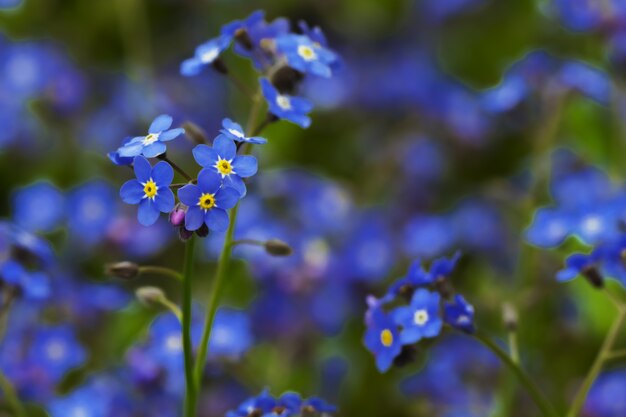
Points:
(443, 129)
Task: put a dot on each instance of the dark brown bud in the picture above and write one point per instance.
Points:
(286, 80)
(444, 287)
(195, 133)
(220, 66)
(276, 247)
(203, 231)
(509, 317)
(407, 355)
(593, 275)
(123, 270)
(150, 296)
(243, 38)
(184, 234)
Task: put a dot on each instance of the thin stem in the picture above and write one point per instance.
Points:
(177, 168)
(173, 308)
(237, 82)
(191, 392)
(539, 399)
(617, 354)
(603, 355)
(11, 396)
(160, 270)
(513, 347)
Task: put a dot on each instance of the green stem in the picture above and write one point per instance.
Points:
(539, 399)
(11, 396)
(191, 392)
(603, 355)
(216, 291)
(617, 354)
(160, 270)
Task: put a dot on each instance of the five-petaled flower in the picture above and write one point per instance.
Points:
(460, 314)
(382, 339)
(420, 319)
(150, 190)
(206, 54)
(235, 132)
(306, 56)
(222, 158)
(208, 202)
(153, 144)
(293, 109)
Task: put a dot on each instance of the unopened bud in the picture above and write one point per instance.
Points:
(149, 296)
(444, 287)
(593, 275)
(177, 216)
(276, 247)
(220, 66)
(243, 38)
(407, 356)
(123, 270)
(286, 79)
(184, 234)
(203, 231)
(195, 133)
(509, 317)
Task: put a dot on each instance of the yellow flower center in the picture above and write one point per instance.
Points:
(207, 201)
(307, 53)
(150, 139)
(150, 189)
(386, 338)
(420, 317)
(224, 167)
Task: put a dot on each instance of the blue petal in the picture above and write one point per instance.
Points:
(217, 220)
(191, 67)
(132, 192)
(209, 181)
(189, 195)
(225, 147)
(147, 213)
(142, 168)
(205, 156)
(155, 149)
(384, 360)
(171, 134)
(164, 200)
(410, 335)
(161, 123)
(226, 198)
(130, 150)
(433, 327)
(194, 218)
(234, 181)
(162, 174)
(245, 166)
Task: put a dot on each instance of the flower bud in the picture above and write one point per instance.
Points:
(203, 231)
(286, 79)
(276, 247)
(220, 66)
(184, 234)
(177, 216)
(123, 270)
(149, 296)
(509, 317)
(243, 38)
(195, 133)
(593, 275)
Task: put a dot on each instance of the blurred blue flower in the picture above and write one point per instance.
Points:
(39, 207)
(459, 314)
(31, 284)
(223, 159)
(305, 55)
(428, 236)
(231, 336)
(206, 54)
(235, 132)
(55, 351)
(150, 190)
(292, 109)
(207, 202)
(421, 319)
(153, 144)
(91, 211)
(382, 338)
(587, 80)
(605, 397)
(255, 34)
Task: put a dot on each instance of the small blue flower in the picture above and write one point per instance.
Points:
(460, 314)
(151, 190)
(38, 207)
(318, 405)
(421, 319)
(91, 211)
(206, 54)
(55, 351)
(235, 132)
(231, 335)
(208, 202)
(153, 144)
(32, 284)
(575, 265)
(307, 56)
(222, 158)
(293, 109)
(382, 339)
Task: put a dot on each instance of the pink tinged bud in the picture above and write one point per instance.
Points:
(177, 216)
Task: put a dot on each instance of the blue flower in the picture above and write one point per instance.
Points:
(153, 144)
(55, 351)
(38, 207)
(575, 265)
(261, 404)
(382, 339)
(318, 405)
(235, 132)
(421, 319)
(307, 56)
(32, 284)
(459, 314)
(417, 276)
(208, 202)
(293, 109)
(231, 335)
(589, 81)
(206, 54)
(151, 190)
(222, 158)
(606, 396)
(91, 211)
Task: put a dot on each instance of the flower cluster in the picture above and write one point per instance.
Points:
(283, 58)
(202, 202)
(431, 303)
(290, 404)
